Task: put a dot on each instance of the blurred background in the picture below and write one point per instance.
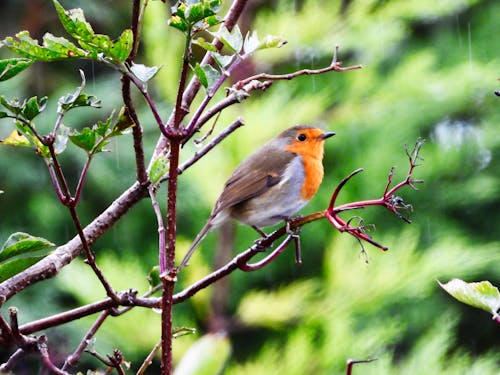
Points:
(430, 69)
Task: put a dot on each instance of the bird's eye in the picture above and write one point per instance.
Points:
(302, 137)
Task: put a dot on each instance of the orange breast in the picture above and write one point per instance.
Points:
(313, 176)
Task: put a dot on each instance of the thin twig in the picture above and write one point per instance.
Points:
(75, 356)
(90, 255)
(16, 356)
(352, 362)
(81, 180)
(149, 359)
(209, 146)
(43, 349)
(161, 229)
(137, 14)
(334, 66)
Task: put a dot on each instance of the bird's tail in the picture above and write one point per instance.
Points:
(199, 237)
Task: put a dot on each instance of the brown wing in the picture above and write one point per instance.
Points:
(253, 177)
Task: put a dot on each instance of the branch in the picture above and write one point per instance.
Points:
(241, 260)
(194, 84)
(75, 356)
(63, 255)
(334, 66)
(388, 200)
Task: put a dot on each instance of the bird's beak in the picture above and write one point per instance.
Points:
(327, 135)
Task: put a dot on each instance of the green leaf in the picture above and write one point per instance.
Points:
(143, 72)
(85, 139)
(121, 48)
(200, 10)
(212, 21)
(207, 75)
(204, 44)
(23, 244)
(482, 295)
(154, 277)
(34, 107)
(158, 169)
(74, 22)
(102, 127)
(178, 23)
(77, 99)
(15, 266)
(52, 48)
(200, 73)
(13, 105)
(3, 114)
(232, 40)
(16, 139)
(11, 67)
(272, 41)
(123, 122)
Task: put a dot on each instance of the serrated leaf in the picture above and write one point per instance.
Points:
(13, 105)
(204, 44)
(198, 11)
(11, 67)
(158, 169)
(178, 23)
(74, 22)
(212, 21)
(143, 72)
(482, 295)
(52, 48)
(34, 107)
(102, 128)
(16, 139)
(23, 244)
(85, 139)
(231, 39)
(121, 48)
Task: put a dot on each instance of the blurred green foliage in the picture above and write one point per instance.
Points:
(430, 69)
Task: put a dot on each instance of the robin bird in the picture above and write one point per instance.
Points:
(272, 184)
